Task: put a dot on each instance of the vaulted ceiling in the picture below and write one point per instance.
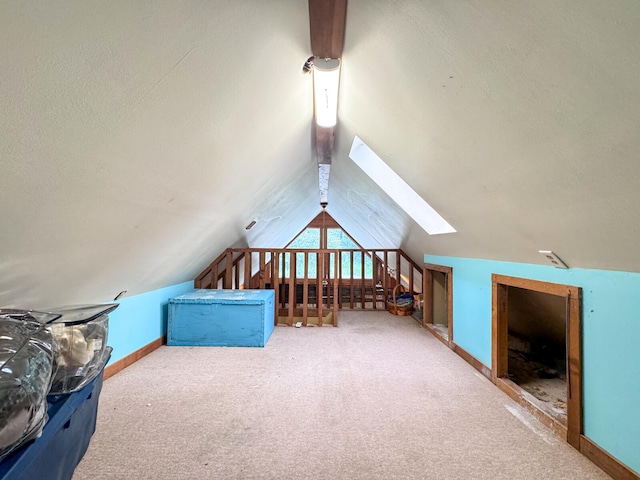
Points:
(138, 139)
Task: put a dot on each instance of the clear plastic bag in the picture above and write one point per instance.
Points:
(80, 346)
(26, 366)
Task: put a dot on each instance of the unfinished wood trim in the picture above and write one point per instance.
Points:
(228, 270)
(327, 20)
(362, 285)
(411, 279)
(374, 277)
(519, 396)
(607, 462)
(305, 289)
(336, 290)
(247, 271)
(292, 287)
(214, 277)
(557, 289)
(340, 281)
(499, 329)
(262, 269)
(449, 292)
(275, 272)
(437, 268)
(351, 299)
(133, 357)
(436, 333)
(319, 288)
(427, 296)
(385, 277)
(575, 425)
(236, 274)
(209, 268)
(322, 220)
(410, 260)
(471, 360)
(500, 332)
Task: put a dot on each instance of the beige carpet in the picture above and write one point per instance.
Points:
(376, 398)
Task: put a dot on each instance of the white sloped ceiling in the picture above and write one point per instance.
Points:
(516, 121)
(138, 139)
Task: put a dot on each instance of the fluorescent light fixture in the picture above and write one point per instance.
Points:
(323, 182)
(401, 193)
(326, 79)
(553, 259)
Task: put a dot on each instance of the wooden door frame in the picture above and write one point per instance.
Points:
(500, 339)
(427, 292)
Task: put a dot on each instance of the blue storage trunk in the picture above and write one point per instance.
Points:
(221, 318)
(65, 438)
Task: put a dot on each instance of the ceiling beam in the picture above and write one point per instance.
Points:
(327, 24)
(327, 21)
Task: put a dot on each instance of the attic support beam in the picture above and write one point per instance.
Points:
(327, 24)
(327, 21)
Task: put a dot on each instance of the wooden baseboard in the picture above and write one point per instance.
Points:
(466, 356)
(434, 331)
(473, 361)
(518, 395)
(123, 363)
(605, 461)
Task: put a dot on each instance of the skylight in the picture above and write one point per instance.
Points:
(401, 193)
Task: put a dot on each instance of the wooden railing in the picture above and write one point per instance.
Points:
(311, 286)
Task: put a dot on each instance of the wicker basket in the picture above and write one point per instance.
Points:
(402, 310)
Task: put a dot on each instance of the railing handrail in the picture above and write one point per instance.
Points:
(222, 257)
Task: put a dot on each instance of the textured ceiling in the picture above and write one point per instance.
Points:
(138, 139)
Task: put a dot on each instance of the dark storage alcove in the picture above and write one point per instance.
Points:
(537, 358)
(536, 350)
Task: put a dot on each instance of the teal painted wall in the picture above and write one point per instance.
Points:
(141, 319)
(611, 340)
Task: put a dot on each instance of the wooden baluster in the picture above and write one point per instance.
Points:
(410, 278)
(305, 289)
(340, 283)
(362, 286)
(374, 274)
(214, 277)
(351, 280)
(292, 287)
(263, 270)
(320, 286)
(274, 284)
(385, 277)
(335, 289)
(228, 270)
(247, 270)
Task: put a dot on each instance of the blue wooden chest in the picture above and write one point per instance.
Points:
(221, 318)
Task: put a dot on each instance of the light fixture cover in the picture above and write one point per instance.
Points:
(553, 259)
(323, 181)
(326, 80)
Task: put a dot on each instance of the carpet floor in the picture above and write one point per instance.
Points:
(377, 398)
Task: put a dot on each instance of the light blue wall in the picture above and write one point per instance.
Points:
(141, 319)
(611, 340)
